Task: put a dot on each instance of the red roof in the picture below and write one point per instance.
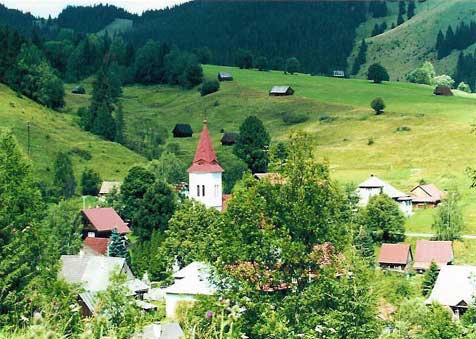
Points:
(205, 158)
(441, 252)
(427, 193)
(105, 219)
(394, 254)
(98, 245)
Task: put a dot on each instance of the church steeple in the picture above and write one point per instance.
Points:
(205, 159)
(205, 174)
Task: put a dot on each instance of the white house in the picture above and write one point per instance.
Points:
(375, 186)
(454, 288)
(190, 281)
(205, 174)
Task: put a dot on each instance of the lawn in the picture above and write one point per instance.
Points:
(436, 147)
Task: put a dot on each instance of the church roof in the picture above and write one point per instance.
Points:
(205, 159)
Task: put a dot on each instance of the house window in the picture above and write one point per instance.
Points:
(203, 190)
(198, 190)
(91, 234)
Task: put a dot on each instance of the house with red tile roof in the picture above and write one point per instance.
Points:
(395, 256)
(205, 174)
(441, 252)
(427, 195)
(99, 222)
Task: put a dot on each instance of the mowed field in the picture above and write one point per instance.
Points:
(438, 147)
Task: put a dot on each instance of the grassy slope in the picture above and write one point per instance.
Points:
(410, 44)
(436, 149)
(52, 132)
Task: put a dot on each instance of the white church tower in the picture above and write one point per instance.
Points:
(204, 176)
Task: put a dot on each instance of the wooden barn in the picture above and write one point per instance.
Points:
(225, 76)
(228, 138)
(338, 74)
(281, 91)
(78, 90)
(427, 195)
(441, 252)
(182, 131)
(443, 90)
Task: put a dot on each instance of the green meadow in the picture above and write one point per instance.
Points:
(436, 144)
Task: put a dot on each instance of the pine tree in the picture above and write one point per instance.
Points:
(365, 246)
(361, 57)
(400, 20)
(440, 42)
(401, 8)
(429, 279)
(120, 125)
(64, 179)
(117, 245)
(411, 9)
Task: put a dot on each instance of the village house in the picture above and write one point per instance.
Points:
(281, 91)
(375, 186)
(190, 281)
(426, 251)
(93, 273)
(99, 223)
(454, 288)
(395, 257)
(107, 187)
(225, 76)
(205, 174)
(427, 195)
(95, 246)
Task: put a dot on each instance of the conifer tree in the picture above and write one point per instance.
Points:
(64, 179)
(429, 279)
(117, 245)
(440, 42)
(120, 125)
(411, 9)
(400, 20)
(20, 211)
(365, 246)
(401, 8)
(361, 57)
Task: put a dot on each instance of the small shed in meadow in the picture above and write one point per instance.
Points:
(281, 91)
(427, 195)
(182, 131)
(395, 256)
(78, 90)
(225, 76)
(338, 74)
(443, 90)
(228, 138)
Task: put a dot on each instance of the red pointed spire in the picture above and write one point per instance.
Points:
(205, 159)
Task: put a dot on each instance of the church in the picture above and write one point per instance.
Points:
(205, 174)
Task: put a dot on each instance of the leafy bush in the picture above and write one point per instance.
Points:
(209, 86)
(377, 73)
(326, 118)
(378, 105)
(90, 182)
(294, 118)
(422, 75)
(370, 141)
(443, 80)
(464, 87)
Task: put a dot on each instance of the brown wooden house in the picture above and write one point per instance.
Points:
(427, 195)
(99, 223)
(395, 257)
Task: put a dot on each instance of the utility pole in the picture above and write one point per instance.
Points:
(28, 137)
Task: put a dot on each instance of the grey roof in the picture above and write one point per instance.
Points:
(225, 75)
(392, 192)
(454, 285)
(89, 300)
(193, 279)
(162, 331)
(279, 89)
(92, 272)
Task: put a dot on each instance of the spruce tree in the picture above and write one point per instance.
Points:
(117, 245)
(120, 125)
(251, 144)
(292, 65)
(64, 179)
(440, 42)
(90, 181)
(361, 57)
(429, 279)
(411, 9)
(401, 8)
(365, 246)
(21, 209)
(400, 20)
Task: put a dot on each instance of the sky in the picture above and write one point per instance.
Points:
(44, 8)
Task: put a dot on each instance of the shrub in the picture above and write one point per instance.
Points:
(90, 182)
(209, 86)
(370, 141)
(377, 73)
(326, 118)
(422, 75)
(294, 118)
(443, 80)
(84, 154)
(464, 87)
(378, 105)
(292, 65)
